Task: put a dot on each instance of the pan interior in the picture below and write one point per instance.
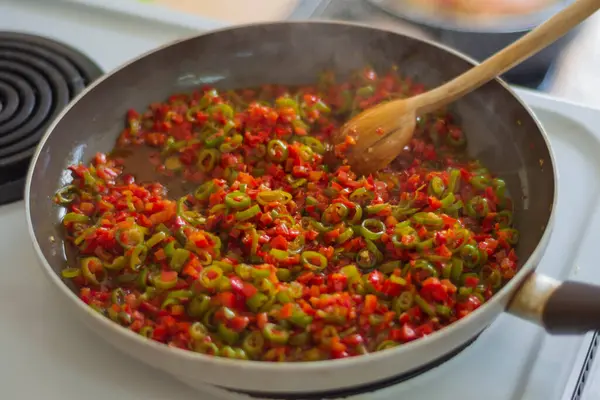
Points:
(500, 130)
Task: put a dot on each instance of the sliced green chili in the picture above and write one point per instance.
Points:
(311, 201)
(499, 188)
(198, 331)
(457, 270)
(138, 256)
(210, 276)
(386, 344)
(271, 196)
(456, 139)
(509, 234)
(207, 159)
(346, 235)
(470, 255)
(365, 259)
(453, 180)
(275, 334)
(436, 186)
(75, 217)
(253, 344)
(301, 319)
(130, 237)
(204, 190)
(477, 207)
(366, 91)
(504, 218)
(443, 310)
(147, 332)
(198, 306)
(426, 266)
(179, 258)
(339, 210)
(428, 219)
(160, 283)
(208, 348)
(66, 195)
(70, 273)
(247, 214)
(237, 200)
(279, 255)
(424, 306)
(318, 226)
(85, 269)
(117, 264)
(314, 143)
(313, 260)
(361, 195)
(403, 302)
(277, 150)
(480, 182)
(156, 239)
(390, 266)
(372, 229)
(257, 302)
(448, 200)
(350, 271)
(142, 278)
(228, 335)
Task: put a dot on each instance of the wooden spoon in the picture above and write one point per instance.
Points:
(382, 132)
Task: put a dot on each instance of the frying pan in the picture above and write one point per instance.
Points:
(501, 130)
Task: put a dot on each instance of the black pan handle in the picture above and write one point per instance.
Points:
(560, 307)
(573, 307)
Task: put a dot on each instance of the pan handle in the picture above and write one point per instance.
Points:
(560, 307)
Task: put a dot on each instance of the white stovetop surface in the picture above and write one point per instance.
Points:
(47, 354)
(44, 354)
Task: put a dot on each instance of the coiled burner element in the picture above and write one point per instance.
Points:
(38, 78)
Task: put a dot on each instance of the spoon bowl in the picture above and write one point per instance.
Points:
(375, 151)
(378, 135)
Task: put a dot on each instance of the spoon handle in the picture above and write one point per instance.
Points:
(529, 44)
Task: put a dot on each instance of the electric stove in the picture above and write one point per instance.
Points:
(38, 78)
(51, 50)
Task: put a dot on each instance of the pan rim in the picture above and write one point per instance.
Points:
(290, 367)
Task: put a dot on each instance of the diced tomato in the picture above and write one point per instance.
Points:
(279, 242)
(434, 203)
(286, 311)
(237, 285)
(467, 306)
(261, 320)
(160, 255)
(238, 323)
(471, 281)
(432, 288)
(280, 268)
(370, 304)
(226, 299)
(405, 333)
(376, 279)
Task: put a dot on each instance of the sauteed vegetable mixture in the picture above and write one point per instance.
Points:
(274, 255)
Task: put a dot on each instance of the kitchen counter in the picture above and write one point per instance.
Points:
(233, 11)
(574, 75)
(577, 76)
(574, 79)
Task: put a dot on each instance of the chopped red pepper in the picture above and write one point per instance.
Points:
(246, 238)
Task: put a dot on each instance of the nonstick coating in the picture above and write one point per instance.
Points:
(501, 130)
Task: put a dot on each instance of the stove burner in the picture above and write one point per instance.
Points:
(38, 78)
(358, 390)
